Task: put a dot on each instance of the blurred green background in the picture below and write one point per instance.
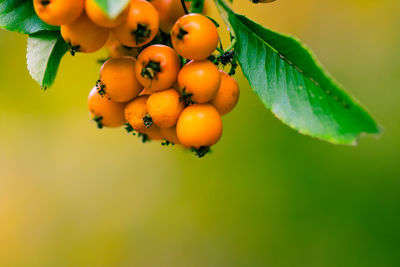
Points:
(71, 195)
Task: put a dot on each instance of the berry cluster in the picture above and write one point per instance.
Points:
(162, 80)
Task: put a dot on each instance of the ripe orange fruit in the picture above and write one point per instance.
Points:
(135, 111)
(110, 41)
(119, 50)
(199, 125)
(169, 11)
(141, 24)
(157, 67)
(169, 134)
(227, 96)
(58, 12)
(154, 133)
(104, 111)
(116, 49)
(194, 36)
(98, 16)
(83, 35)
(164, 107)
(118, 80)
(146, 91)
(199, 81)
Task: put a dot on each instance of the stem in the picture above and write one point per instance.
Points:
(184, 7)
(220, 43)
(228, 49)
(224, 15)
(232, 45)
(220, 50)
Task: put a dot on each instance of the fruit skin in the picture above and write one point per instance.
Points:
(157, 67)
(164, 107)
(98, 16)
(116, 49)
(228, 94)
(199, 81)
(58, 12)
(135, 111)
(143, 19)
(194, 36)
(199, 125)
(112, 113)
(169, 134)
(154, 133)
(169, 11)
(119, 50)
(118, 80)
(83, 35)
(146, 91)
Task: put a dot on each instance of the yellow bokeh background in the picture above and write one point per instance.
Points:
(73, 195)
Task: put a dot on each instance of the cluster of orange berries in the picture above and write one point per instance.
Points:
(162, 80)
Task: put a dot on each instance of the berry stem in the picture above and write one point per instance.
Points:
(231, 45)
(147, 121)
(151, 70)
(184, 7)
(141, 33)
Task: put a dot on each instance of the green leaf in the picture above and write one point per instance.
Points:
(113, 7)
(44, 53)
(196, 6)
(290, 81)
(20, 16)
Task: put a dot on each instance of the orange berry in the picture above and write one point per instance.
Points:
(135, 111)
(120, 50)
(141, 25)
(227, 96)
(58, 12)
(194, 36)
(164, 107)
(169, 11)
(199, 125)
(118, 80)
(116, 49)
(154, 133)
(157, 67)
(199, 81)
(169, 134)
(98, 16)
(83, 35)
(111, 41)
(146, 91)
(104, 111)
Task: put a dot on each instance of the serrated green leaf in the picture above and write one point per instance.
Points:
(113, 7)
(290, 81)
(20, 16)
(44, 53)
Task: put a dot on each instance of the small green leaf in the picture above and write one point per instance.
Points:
(20, 16)
(290, 81)
(44, 53)
(196, 6)
(113, 7)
